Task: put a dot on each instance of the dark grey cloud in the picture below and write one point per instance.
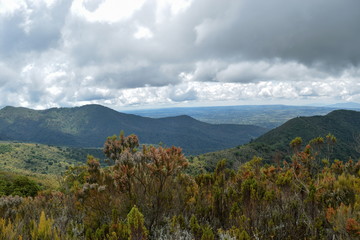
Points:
(324, 31)
(141, 76)
(6, 74)
(34, 28)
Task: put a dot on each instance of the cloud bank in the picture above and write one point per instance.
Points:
(158, 53)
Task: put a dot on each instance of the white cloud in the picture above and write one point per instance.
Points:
(137, 53)
(168, 8)
(109, 11)
(143, 33)
(256, 71)
(9, 7)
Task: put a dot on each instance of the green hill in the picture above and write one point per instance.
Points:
(274, 145)
(90, 125)
(343, 124)
(38, 159)
(40, 163)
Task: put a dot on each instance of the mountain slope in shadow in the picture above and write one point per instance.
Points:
(90, 125)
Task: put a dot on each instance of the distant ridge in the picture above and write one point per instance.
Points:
(347, 105)
(89, 125)
(268, 116)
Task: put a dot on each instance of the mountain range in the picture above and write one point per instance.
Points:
(90, 125)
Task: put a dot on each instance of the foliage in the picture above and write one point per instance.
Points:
(135, 222)
(44, 229)
(147, 194)
(13, 184)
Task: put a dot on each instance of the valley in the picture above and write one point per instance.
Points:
(269, 116)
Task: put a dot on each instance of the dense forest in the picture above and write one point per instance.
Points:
(155, 193)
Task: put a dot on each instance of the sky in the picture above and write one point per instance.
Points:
(165, 53)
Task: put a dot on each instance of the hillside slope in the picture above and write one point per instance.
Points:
(273, 145)
(343, 124)
(90, 125)
(31, 158)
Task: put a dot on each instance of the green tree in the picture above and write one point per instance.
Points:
(135, 222)
(23, 186)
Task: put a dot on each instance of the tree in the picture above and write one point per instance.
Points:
(23, 186)
(115, 146)
(330, 143)
(44, 230)
(135, 222)
(145, 176)
(295, 144)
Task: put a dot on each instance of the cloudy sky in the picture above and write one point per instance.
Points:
(159, 53)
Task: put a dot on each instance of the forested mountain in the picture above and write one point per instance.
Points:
(343, 124)
(90, 125)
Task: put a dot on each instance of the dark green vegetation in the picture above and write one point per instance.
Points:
(146, 194)
(15, 184)
(274, 145)
(88, 126)
(269, 116)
